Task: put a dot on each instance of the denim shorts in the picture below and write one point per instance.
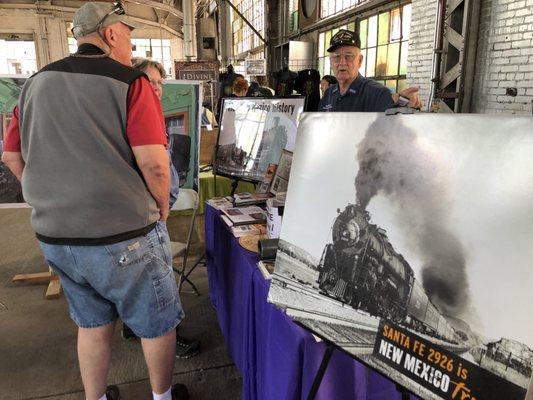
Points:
(132, 280)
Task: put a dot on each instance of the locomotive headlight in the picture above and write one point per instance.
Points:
(350, 231)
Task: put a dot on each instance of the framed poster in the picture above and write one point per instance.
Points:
(10, 88)
(406, 242)
(181, 102)
(253, 134)
(280, 180)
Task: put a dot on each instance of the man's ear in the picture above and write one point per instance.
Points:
(109, 35)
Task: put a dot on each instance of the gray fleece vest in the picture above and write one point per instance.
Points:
(81, 177)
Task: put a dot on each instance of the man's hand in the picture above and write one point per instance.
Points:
(13, 160)
(414, 99)
(154, 164)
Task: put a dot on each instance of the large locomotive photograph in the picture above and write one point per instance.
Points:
(421, 226)
(361, 268)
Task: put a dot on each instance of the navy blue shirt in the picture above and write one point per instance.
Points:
(363, 95)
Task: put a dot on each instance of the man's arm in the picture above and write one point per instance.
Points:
(12, 157)
(412, 95)
(154, 165)
(13, 160)
(148, 141)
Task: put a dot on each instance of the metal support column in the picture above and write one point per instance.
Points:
(456, 46)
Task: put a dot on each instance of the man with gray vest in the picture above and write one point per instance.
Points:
(88, 143)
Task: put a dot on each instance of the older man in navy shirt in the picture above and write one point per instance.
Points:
(354, 92)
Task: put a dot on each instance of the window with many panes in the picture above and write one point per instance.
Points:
(17, 57)
(293, 16)
(154, 49)
(332, 7)
(244, 38)
(384, 46)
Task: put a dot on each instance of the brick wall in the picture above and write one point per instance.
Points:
(421, 41)
(504, 57)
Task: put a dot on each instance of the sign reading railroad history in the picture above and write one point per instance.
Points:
(205, 71)
(406, 241)
(253, 134)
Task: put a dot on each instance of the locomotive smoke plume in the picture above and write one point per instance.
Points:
(392, 163)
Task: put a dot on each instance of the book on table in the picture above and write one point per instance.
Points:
(245, 215)
(243, 230)
(247, 198)
(220, 203)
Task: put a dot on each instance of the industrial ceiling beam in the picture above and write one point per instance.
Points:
(41, 7)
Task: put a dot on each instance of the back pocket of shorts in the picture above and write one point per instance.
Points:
(165, 289)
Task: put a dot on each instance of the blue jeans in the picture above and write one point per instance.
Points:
(132, 280)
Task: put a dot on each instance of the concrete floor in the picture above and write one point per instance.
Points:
(37, 338)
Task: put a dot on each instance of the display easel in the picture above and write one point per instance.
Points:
(322, 371)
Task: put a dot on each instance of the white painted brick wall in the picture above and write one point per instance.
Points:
(504, 54)
(504, 57)
(421, 41)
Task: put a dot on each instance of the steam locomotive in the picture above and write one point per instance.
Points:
(361, 268)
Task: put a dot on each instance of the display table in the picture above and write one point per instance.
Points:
(276, 358)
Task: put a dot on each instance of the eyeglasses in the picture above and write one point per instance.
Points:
(336, 57)
(117, 9)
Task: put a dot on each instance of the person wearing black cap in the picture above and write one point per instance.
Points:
(354, 92)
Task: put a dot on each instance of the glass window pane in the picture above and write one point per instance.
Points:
(381, 64)
(321, 38)
(406, 22)
(321, 67)
(363, 27)
(395, 25)
(393, 59)
(371, 62)
(391, 84)
(383, 28)
(327, 66)
(403, 59)
(334, 31)
(351, 26)
(328, 38)
(372, 31)
(402, 84)
(362, 70)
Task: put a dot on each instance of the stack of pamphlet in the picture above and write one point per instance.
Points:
(242, 199)
(245, 215)
(245, 221)
(220, 203)
(243, 230)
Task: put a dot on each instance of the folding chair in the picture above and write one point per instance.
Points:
(187, 200)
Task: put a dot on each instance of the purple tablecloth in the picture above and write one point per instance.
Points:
(277, 359)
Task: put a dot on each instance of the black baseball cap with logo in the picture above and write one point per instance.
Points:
(344, 38)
